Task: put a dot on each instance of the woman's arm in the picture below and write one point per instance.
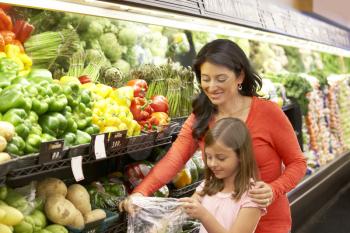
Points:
(177, 156)
(286, 145)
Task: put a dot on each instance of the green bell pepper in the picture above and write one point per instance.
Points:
(11, 98)
(20, 80)
(36, 129)
(82, 138)
(82, 116)
(58, 101)
(33, 117)
(71, 91)
(40, 75)
(47, 137)
(92, 129)
(39, 220)
(53, 123)
(56, 228)
(17, 201)
(16, 117)
(33, 143)
(69, 139)
(16, 146)
(26, 225)
(8, 71)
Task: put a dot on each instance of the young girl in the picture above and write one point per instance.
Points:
(221, 202)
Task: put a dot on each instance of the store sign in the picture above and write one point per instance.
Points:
(51, 151)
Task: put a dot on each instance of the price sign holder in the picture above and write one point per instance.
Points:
(51, 151)
(116, 141)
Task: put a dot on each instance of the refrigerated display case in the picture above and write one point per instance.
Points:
(247, 20)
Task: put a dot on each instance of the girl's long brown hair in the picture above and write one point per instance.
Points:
(233, 133)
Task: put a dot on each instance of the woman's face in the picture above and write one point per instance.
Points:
(219, 83)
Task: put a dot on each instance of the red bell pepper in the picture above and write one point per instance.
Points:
(136, 172)
(5, 21)
(160, 103)
(140, 87)
(84, 79)
(140, 109)
(23, 30)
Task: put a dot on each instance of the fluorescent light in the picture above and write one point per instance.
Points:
(162, 18)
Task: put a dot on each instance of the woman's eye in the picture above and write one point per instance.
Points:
(205, 79)
(221, 159)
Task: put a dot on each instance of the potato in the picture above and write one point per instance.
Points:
(80, 198)
(3, 143)
(94, 215)
(78, 222)
(59, 210)
(7, 130)
(4, 157)
(12, 216)
(51, 186)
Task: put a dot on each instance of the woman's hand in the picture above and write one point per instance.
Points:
(261, 193)
(127, 205)
(193, 207)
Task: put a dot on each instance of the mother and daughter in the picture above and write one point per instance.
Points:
(251, 153)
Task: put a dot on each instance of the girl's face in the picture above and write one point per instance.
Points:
(219, 83)
(222, 161)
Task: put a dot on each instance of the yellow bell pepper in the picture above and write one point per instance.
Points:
(69, 79)
(123, 96)
(27, 61)
(182, 178)
(2, 54)
(103, 90)
(109, 129)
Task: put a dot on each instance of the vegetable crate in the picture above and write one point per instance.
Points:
(186, 191)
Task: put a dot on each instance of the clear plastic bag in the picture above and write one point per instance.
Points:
(156, 215)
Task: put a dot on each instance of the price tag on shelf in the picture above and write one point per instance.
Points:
(51, 151)
(116, 140)
(77, 168)
(100, 146)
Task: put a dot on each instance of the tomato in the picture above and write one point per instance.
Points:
(160, 103)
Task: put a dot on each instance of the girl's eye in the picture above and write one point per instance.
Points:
(221, 159)
(221, 80)
(205, 79)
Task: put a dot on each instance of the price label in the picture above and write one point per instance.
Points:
(116, 140)
(77, 168)
(99, 146)
(51, 151)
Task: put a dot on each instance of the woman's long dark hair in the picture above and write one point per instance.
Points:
(225, 53)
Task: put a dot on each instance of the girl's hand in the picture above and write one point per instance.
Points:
(261, 193)
(193, 208)
(127, 205)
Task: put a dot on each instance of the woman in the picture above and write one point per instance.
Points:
(229, 89)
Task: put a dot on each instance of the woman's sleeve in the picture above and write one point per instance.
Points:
(286, 144)
(165, 170)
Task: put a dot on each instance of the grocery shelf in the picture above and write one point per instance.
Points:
(36, 169)
(318, 188)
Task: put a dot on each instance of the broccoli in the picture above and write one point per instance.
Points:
(110, 46)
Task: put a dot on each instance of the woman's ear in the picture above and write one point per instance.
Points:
(241, 76)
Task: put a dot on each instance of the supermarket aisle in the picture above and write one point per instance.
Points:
(334, 217)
